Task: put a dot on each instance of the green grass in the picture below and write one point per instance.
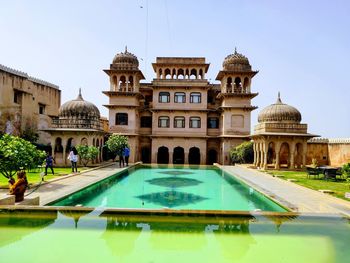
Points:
(339, 187)
(34, 176)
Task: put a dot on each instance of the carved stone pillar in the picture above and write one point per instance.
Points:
(277, 150)
(292, 152)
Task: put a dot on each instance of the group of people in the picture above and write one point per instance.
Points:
(72, 156)
(124, 157)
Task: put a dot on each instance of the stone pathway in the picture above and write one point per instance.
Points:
(61, 187)
(295, 197)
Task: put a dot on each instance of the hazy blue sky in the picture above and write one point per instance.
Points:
(301, 48)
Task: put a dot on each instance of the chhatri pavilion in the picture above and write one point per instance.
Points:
(280, 140)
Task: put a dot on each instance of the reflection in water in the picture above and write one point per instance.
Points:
(175, 172)
(174, 182)
(171, 198)
(75, 214)
(27, 222)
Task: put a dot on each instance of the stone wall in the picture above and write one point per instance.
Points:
(333, 152)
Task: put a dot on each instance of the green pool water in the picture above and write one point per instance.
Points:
(150, 187)
(96, 236)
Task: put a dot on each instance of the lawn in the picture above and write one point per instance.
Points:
(339, 187)
(34, 176)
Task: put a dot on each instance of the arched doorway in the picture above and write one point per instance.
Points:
(271, 154)
(179, 155)
(163, 155)
(146, 155)
(194, 156)
(284, 155)
(212, 156)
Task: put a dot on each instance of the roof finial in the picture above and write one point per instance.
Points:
(126, 48)
(235, 50)
(79, 95)
(279, 98)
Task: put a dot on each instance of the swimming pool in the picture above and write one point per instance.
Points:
(189, 188)
(96, 235)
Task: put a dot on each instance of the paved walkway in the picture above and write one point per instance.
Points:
(295, 197)
(61, 187)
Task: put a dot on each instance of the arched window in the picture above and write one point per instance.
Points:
(180, 97)
(195, 97)
(238, 85)
(167, 74)
(180, 74)
(163, 122)
(193, 74)
(164, 97)
(121, 119)
(179, 122)
(195, 122)
(229, 85)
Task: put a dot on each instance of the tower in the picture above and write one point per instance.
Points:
(235, 101)
(124, 96)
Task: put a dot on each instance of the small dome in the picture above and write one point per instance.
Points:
(236, 61)
(125, 60)
(79, 109)
(279, 112)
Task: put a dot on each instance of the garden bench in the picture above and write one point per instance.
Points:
(313, 172)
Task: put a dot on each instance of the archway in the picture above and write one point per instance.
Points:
(284, 155)
(146, 155)
(58, 145)
(271, 154)
(194, 156)
(179, 155)
(212, 156)
(163, 155)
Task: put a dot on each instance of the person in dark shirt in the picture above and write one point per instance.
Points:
(126, 154)
(49, 163)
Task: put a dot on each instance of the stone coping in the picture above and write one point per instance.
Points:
(295, 197)
(169, 214)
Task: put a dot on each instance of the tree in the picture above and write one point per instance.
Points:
(87, 153)
(243, 153)
(116, 143)
(17, 153)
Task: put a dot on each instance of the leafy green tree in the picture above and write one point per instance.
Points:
(116, 143)
(17, 153)
(242, 153)
(87, 153)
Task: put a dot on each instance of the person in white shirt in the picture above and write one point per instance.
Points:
(73, 157)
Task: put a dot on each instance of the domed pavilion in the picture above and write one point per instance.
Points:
(280, 140)
(78, 122)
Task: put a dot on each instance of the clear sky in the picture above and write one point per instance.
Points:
(301, 48)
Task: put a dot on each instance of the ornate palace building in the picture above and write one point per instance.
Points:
(180, 117)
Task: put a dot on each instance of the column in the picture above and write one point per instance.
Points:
(277, 150)
(171, 157)
(53, 146)
(117, 87)
(254, 150)
(265, 155)
(292, 151)
(304, 154)
(186, 157)
(258, 155)
(64, 145)
(127, 83)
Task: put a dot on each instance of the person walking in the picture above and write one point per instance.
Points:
(73, 157)
(121, 158)
(126, 154)
(49, 163)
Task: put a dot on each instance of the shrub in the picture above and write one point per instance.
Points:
(87, 153)
(242, 153)
(16, 154)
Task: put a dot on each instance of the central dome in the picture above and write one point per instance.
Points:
(79, 113)
(236, 61)
(279, 112)
(125, 60)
